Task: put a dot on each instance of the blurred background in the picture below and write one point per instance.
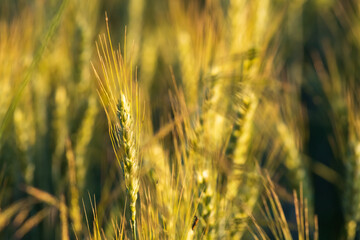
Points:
(54, 139)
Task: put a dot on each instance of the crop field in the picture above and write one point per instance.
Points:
(180, 119)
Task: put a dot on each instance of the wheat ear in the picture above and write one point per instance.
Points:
(125, 134)
(119, 95)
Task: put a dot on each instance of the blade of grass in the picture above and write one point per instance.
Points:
(38, 54)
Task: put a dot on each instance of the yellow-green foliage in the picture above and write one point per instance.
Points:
(183, 120)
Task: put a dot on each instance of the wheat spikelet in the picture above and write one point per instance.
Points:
(60, 125)
(344, 102)
(352, 192)
(197, 41)
(83, 140)
(202, 152)
(85, 33)
(75, 212)
(126, 142)
(294, 162)
(136, 9)
(243, 180)
(352, 168)
(204, 161)
(208, 210)
(149, 57)
(242, 132)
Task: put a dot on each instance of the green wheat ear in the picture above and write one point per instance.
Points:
(125, 134)
(119, 95)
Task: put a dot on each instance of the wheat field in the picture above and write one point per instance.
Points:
(180, 119)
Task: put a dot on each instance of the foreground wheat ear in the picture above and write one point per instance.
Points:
(119, 94)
